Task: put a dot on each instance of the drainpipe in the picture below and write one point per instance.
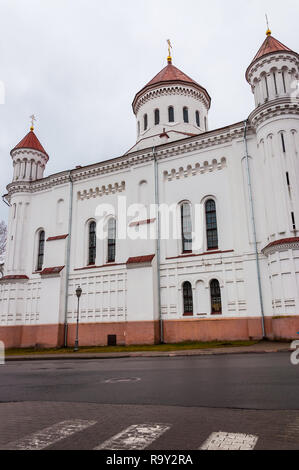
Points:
(254, 229)
(4, 200)
(68, 256)
(158, 245)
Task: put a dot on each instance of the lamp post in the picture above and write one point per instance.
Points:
(78, 294)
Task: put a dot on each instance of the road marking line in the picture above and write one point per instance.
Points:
(50, 435)
(135, 437)
(229, 441)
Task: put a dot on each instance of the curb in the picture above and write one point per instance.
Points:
(189, 353)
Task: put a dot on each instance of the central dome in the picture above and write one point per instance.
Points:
(169, 107)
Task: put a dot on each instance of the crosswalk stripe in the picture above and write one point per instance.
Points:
(229, 441)
(135, 437)
(50, 435)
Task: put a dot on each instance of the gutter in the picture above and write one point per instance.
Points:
(254, 229)
(158, 244)
(68, 256)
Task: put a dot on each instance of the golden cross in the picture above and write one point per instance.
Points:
(268, 33)
(33, 118)
(169, 47)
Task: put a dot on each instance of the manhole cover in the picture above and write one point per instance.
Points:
(122, 379)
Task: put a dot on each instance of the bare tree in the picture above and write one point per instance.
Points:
(3, 235)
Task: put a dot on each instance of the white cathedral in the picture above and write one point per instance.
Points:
(241, 282)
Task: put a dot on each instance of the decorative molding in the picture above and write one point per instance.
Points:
(195, 170)
(281, 245)
(171, 90)
(103, 191)
(199, 142)
(272, 57)
(271, 109)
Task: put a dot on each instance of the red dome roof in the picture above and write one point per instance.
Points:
(168, 75)
(269, 46)
(30, 141)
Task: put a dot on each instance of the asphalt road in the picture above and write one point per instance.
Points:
(189, 398)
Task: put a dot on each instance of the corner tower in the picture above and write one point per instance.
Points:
(29, 158)
(170, 107)
(273, 76)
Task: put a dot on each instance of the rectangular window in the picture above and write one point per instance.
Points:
(275, 84)
(293, 220)
(283, 143)
(284, 82)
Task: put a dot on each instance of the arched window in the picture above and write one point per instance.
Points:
(216, 308)
(138, 128)
(170, 114)
(157, 117)
(92, 244)
(41, 250)
(185, 114)
(211, 225)
(111, 240)
(145, 122)
(186, 226)
(187, 298)
(197, 118)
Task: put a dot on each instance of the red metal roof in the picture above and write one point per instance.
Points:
(282, 241)
(14, 277)
(140, 259)
(30, 141)
(58, 237)
(170, 74)
(269, 46)
(54, 270)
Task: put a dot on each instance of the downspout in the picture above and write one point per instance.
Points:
(4, 200)
(158, 245)
(68, 256)
(254, 229)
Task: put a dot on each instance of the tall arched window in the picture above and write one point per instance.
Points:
(211, 225)
(157, 117)
(92, 244)
(216, 308)
(170, 114)
(197, 118)
(41, 250)
(185, 114)
(187, 298)
(186, 226)
(111, 240)
(145, 122)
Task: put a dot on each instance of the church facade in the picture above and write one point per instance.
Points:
(192, 235)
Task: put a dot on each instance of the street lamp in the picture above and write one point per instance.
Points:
(78, 294)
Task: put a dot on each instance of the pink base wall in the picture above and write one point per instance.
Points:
(175, 331)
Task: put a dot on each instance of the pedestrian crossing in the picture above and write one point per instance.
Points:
(134, 437)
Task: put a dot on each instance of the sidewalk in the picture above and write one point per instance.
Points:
(259, 348)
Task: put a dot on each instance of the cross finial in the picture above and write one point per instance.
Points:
(268, 32)
(169, 58)
(33, 118)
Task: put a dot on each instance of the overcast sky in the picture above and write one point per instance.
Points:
(77, 64)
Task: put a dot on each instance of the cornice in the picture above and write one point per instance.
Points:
(271, 57)
(168, 90)
(24, 151)
(271, 109)
(281, 245)
(199, 142)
